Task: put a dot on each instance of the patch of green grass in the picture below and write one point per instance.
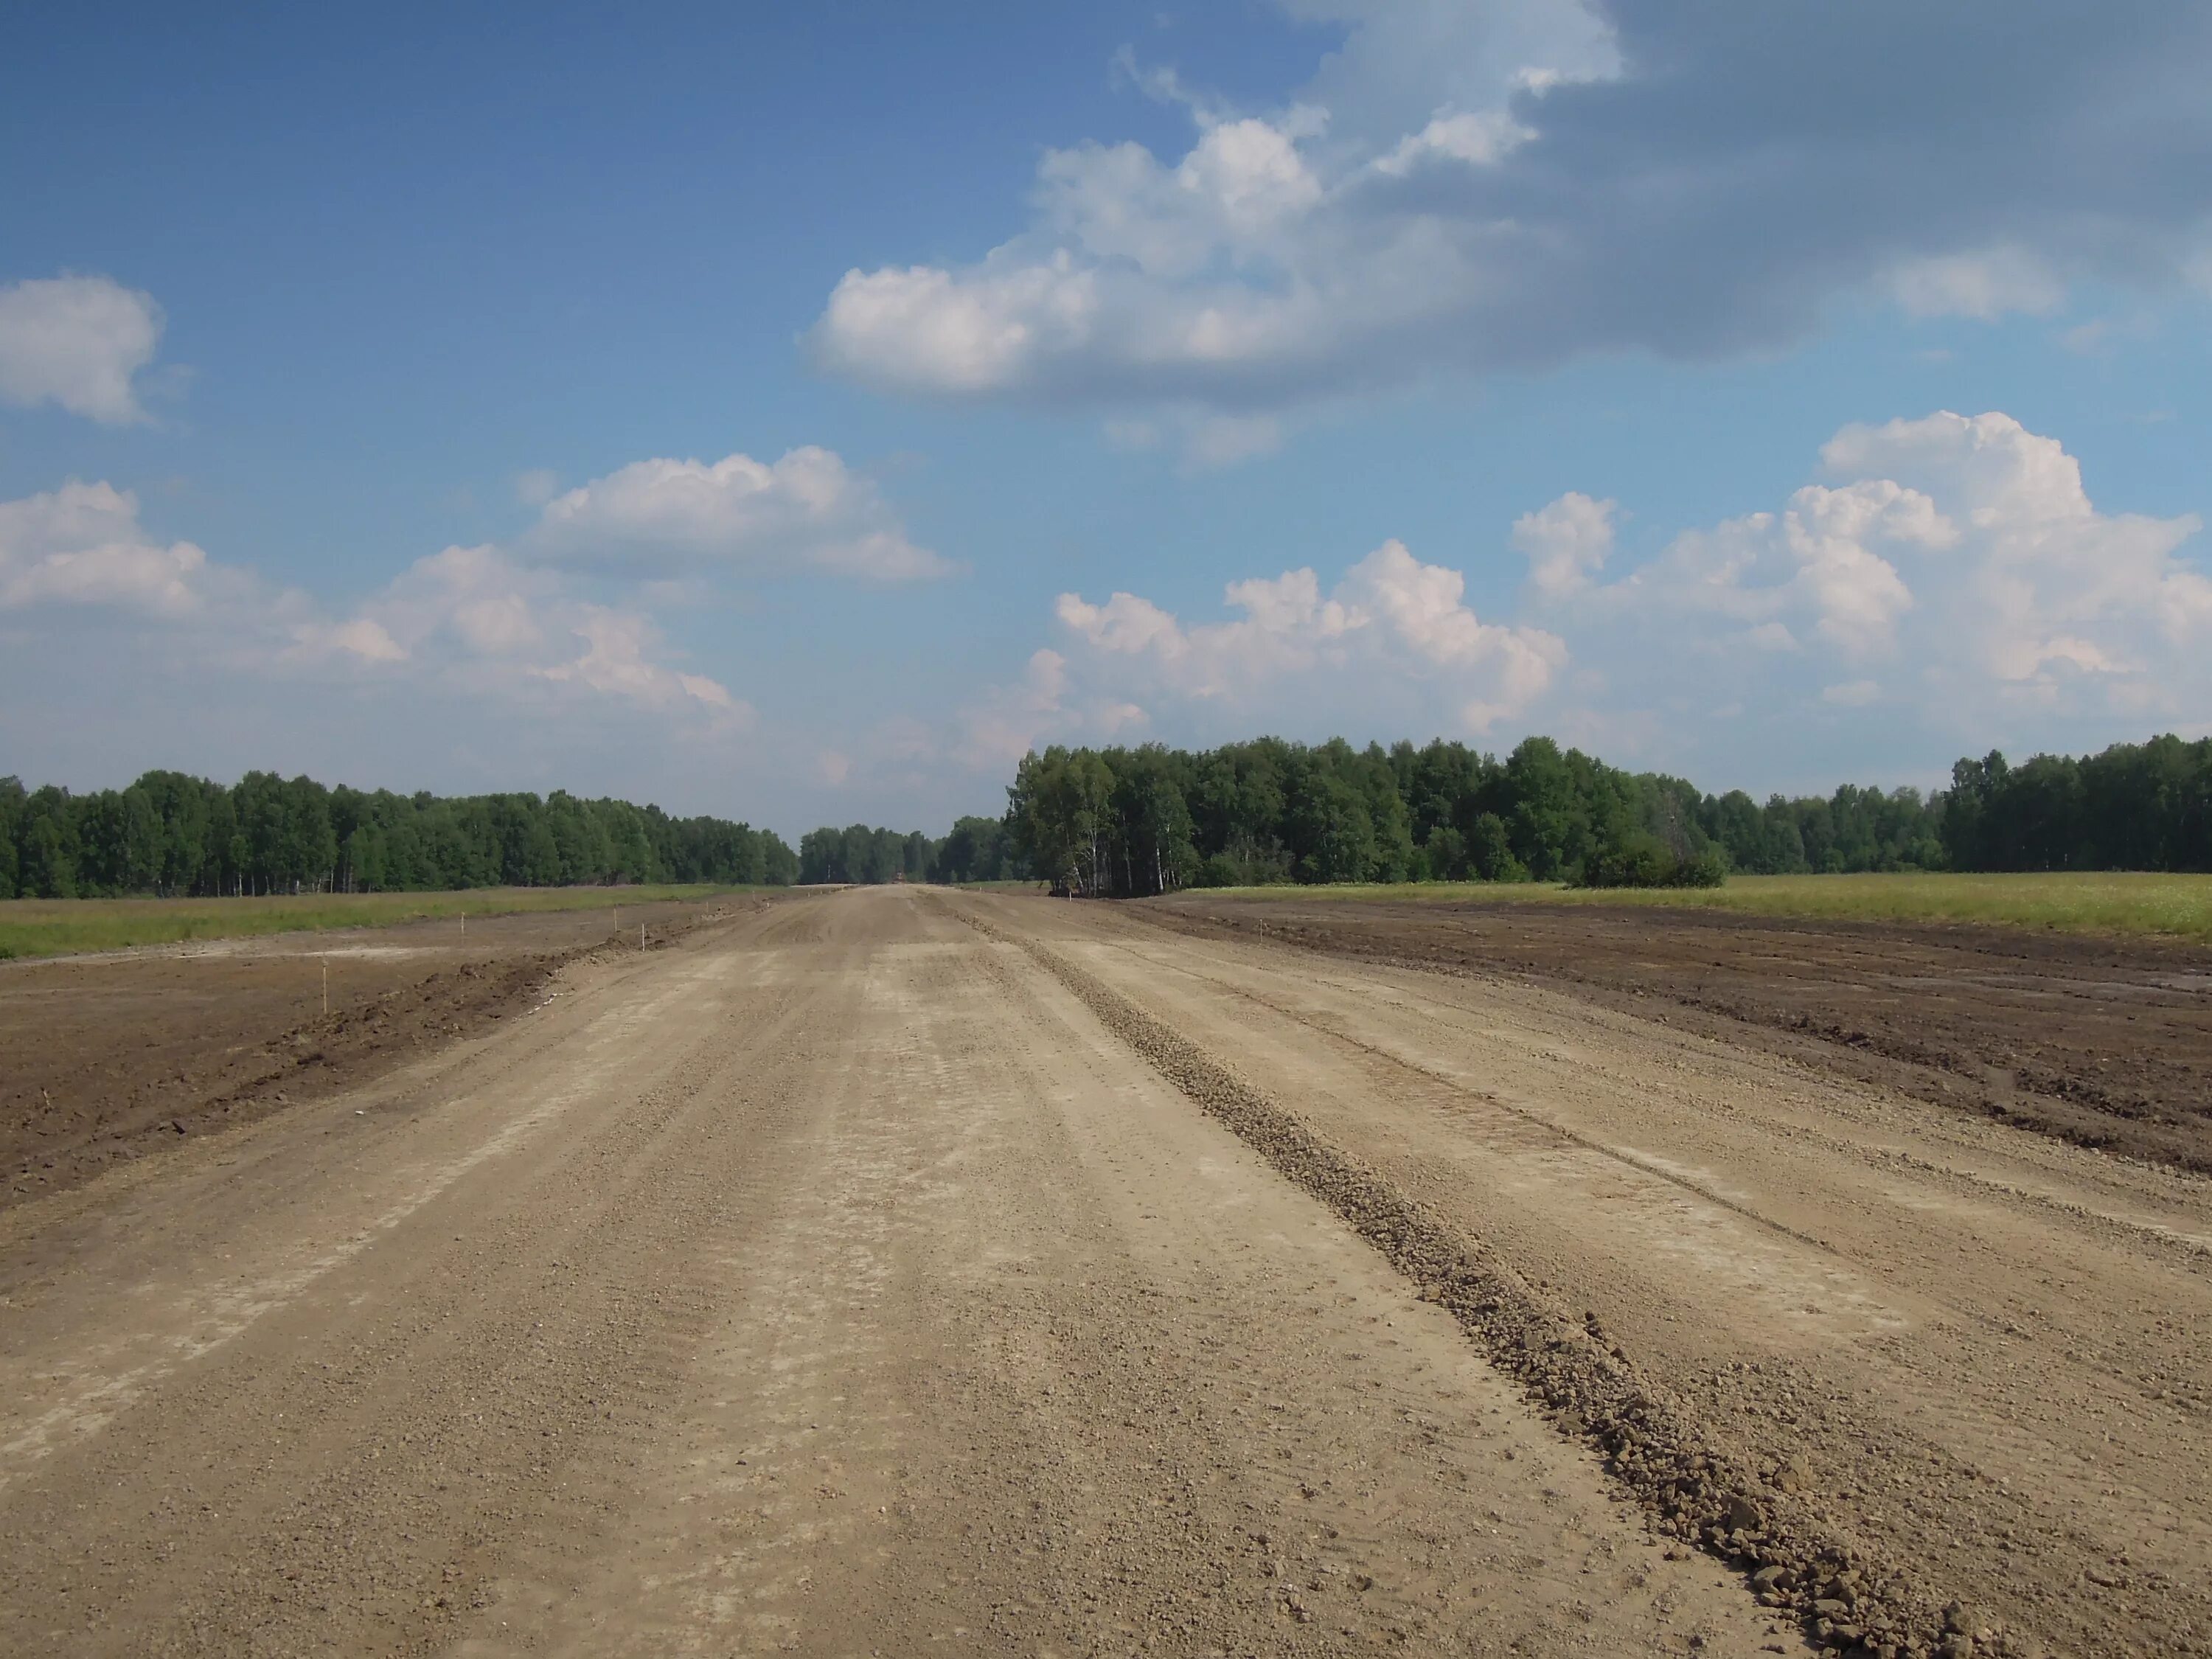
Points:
(53, 928)
(2122, 903)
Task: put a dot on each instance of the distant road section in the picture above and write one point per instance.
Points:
(895, 1270)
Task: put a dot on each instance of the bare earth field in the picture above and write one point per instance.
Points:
(105, 1058)
(890, 1271)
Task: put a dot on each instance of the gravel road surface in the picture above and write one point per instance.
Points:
(894, 1271)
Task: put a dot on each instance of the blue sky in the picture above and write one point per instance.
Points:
(794, 413)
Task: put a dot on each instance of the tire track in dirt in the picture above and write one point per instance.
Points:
(1843, 1596)
(2194, 1249)
(1652, 1167)
(545, 1332)
(2101, 1042)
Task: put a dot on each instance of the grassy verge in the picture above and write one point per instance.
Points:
(2123, 902)
(53, 927)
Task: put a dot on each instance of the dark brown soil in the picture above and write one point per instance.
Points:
(110, 1057)
(2104, 1042)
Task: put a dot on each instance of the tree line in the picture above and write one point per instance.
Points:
(977, 849)
(172, 834)
(1132, 822)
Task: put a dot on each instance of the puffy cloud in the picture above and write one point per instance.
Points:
(1821, 568)
(76, 341)
(1473, 189)
(1945, 584)
(1566, 542)
(358, 637)
(473, 618)
(486, 622)
(1961, 552)
(1470, 140)
(807, 509)
(83, 544)
(480, 600)
(615, 663)
(1392, 625)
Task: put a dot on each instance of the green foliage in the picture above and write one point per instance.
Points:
(1640, 858)
(1125, 822)
(860, 854)
(978, 849)
(2134, 806)
(32, 927)
(175, 836)
(2124, 903)
(1132, 822)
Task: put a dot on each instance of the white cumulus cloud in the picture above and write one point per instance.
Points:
(473, 619)
(616, 661)
(1566, 542)
(807, 510)
(1944, 584)
(487, 623)
(1463, 189)
(1391, 626)
(76, 341)
(1961, 554)
(83, 544)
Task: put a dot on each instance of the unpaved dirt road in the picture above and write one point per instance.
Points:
(2104, 1042)
(889, 1272)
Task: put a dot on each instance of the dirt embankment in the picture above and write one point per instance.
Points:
(2105, 1043)
(107, 1058)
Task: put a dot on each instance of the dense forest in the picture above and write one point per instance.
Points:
(174, 835)
(858, 853)
(2134, 806)
(976, 850)
(1138, 820)
(1129, 822)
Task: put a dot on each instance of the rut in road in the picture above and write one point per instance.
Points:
(834, 1282)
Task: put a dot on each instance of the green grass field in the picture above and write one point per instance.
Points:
(2126, 904)
(53, 928)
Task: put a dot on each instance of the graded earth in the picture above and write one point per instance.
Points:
(896, 1270)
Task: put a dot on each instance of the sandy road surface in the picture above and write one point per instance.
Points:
(833, 1283)
(2104, 1042)
(1964, 1349)
(849, 1279)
